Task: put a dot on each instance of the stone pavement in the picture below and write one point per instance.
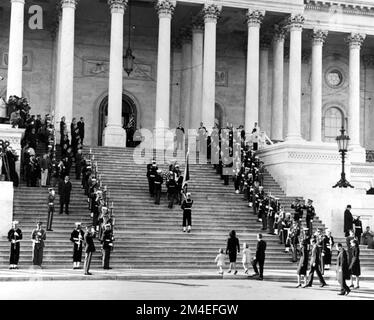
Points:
(48, 274)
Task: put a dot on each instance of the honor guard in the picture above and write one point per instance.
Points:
(187, 212)
(14, 237)
(77, 237)
(157, 186)
(38, 236)
(172, 189)
(51, 208)
(358, 228)
(310, 214)
(107, 245)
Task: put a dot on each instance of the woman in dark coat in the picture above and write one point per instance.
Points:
(354, 267)
(303, 263)
(232, 249)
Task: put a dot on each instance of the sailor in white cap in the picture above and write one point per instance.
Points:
(14, 237)
(77, 237)
(187, 212)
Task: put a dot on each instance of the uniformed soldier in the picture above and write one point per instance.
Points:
(51, 208)
(294, 239)
(77, 237)
(107, 245)
(310, 214)
(298, 207)
(179, 178)
(89, 249)
(358, 228)
(187, 212)
(38, 236)
(172, 189)
(157, 186)
(14, 237)
(151, 175)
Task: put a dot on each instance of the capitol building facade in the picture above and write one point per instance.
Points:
(301, 69)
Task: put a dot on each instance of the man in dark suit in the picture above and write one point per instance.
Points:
(64, 190)
(89, 249)
(348, 220)
(260, 257)
(342, 271)
(315, 264)
(80, 125)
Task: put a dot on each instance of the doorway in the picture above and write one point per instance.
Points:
(129, 116)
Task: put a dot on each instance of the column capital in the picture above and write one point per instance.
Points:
(318, 36)
(295, 22)
(254, 17)
(185, 34)
(279, 32)
(165, 8)
(368, 60)
(265, 40)
(211, 12)
(355, 40)
(198, 23)
(69, 3)
(117, 6)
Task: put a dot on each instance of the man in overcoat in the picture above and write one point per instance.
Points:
(342, 271)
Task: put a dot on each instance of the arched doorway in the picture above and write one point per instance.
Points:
(218, 115)
(128, 111)
(332, 123)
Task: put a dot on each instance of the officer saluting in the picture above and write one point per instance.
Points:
(90, 248)
(187, 211)
(107, 245)
(77, 237)
(14, 236)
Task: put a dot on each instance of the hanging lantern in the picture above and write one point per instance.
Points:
(128, 61)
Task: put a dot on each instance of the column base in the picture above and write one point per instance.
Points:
(114, 136)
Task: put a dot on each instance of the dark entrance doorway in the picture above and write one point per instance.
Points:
(128, 112)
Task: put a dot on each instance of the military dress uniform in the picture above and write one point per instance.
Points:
(157, 186)
(77, 237)
(172, 189)
(151, 175)
(38, 237)
(310, 214)
(51, 208)
(14, 237)
(107, 245)
(187, 212)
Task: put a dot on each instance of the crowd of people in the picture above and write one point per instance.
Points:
(48, 172)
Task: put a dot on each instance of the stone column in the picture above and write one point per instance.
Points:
(355, 41)
(254, 19)
(277, 89)
(114, 134)
(294, 88)
(65, 81)
(318, 38)
(197, 72)
(165, 9)
(264, 84)
(186, 77)
(15, 55)
(211, 13)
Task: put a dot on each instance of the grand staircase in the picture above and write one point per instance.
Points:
(149, 235)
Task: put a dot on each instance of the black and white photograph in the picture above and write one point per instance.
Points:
(187, 155)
